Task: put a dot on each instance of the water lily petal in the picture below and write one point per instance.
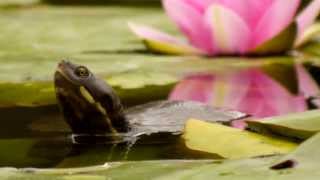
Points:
(248, 91)
(250, 11)
(190, 21)
(161, 42)
(305, 20)
(307, 85)
(282, 42)
(196, 88)
(219, 91)
(307, 17)
(255, 93)
(244, 95)
(277, 99)
(276, 19)
(201, 5)
(147, 32)
(310, 33)
(229, 90)
(198, 5)
(230, 32)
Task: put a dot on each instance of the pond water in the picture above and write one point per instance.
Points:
(38, 137)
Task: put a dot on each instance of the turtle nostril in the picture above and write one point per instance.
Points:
(62, 63)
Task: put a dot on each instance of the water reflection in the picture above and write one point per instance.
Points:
(60, 152)
(38, 137)
(260, 92)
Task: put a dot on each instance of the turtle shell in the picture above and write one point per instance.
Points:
(170, 116)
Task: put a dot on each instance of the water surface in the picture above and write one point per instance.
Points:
(38, 137)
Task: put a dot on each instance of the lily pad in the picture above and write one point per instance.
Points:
(305, 156)
(305, 166)
(17, 2)
(42, 38)
(297, 125)
(42, 93)
(34, 40)
(28, 66)
(231, 142)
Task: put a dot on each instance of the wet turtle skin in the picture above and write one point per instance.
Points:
(91, 108)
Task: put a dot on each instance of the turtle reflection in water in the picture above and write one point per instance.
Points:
(92, 109)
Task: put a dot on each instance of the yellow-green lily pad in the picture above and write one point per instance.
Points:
(230, 142)
(297, 125)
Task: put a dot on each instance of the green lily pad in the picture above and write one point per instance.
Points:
(306, 158)
(27, 67)
(34, 40)
(17, 2)
(135, 89)
(154, 79)
(143, 3)
(231, 142)
(296, 125)
(305, 166)
(42, 38)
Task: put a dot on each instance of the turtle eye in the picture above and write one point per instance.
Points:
(82, 72)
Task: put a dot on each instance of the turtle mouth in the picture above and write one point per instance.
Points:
(63, 85)
(61, 74)
(60, 80)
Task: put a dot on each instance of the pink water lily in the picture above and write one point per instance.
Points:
(215, 27)
(250, 91)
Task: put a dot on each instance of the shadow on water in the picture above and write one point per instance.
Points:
(131, 3)
(123, 3)
(123, 52)
(129, 51)
(38, 137)
(32, 122)
(59, 151)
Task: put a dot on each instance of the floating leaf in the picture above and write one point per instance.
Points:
(130, 87)
(297, 125)
(7, 3)
(306, 166)
(118, 170)
(302, 163)
(230, 142)
(307, 155)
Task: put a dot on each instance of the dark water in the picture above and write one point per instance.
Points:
(42, 139)
(38, 137)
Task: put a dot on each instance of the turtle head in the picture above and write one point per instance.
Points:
(89, 105)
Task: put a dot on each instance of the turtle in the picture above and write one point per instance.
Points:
(92, 108)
